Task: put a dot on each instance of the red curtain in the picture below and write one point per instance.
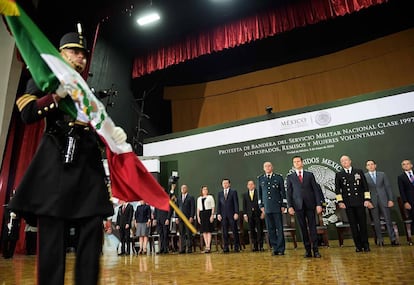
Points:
(22, 142)
(269, 23)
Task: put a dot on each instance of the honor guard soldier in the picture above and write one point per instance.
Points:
(272, 201)
(352, 194)
(64, 185)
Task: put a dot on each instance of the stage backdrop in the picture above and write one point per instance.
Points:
(373, 126)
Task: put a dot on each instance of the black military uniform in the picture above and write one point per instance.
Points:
(352, 190)
(62, 187)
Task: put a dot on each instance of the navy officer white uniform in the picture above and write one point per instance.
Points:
(272, 201)
(352, 194)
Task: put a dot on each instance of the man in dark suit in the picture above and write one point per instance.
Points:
(406, 187)
(123, 224)
(186, 204)
(352, 194)
(228, 214)
(272, 201)
(381, 199)
(303, 197)
(253, 215)
(163, 227)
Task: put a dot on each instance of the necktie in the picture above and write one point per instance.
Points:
(268, 176)
(123, 208)
(251, 195)
(410, 175)
(225, 194)
(347, 171)
(374, 178)
(300, 177)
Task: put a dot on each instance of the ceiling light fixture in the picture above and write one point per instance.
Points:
(148, 16)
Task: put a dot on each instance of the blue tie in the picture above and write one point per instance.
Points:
(411, 177)
(374, 178)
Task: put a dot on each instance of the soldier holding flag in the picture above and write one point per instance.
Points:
(65, 182)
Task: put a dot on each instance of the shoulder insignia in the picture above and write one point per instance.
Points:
(24, 100)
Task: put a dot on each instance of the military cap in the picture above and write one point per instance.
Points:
(73, 40)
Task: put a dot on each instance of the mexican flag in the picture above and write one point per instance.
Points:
(130, 180)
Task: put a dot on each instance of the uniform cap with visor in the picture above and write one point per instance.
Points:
(73, 40)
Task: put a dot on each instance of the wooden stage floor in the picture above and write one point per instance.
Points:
(383, 265)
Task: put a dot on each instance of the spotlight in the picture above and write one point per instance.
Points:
(148, 18)
(269, 109)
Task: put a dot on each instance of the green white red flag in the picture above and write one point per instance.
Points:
(130, 180)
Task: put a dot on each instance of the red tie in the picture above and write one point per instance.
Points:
(300, 177)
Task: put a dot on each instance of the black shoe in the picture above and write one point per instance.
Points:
(278, 253)
(316, 254)
(358, 249)
(381, 244)
(367, 249)
(261, 249)
(307, 254)
(255, 249)
(190, 251)
(395, 243)
(226, 250)
(181, 252)
(236, 250)
(122, 253)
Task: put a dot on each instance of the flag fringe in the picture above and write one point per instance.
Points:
(9, 8)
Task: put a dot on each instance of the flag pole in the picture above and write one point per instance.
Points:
(183, 217)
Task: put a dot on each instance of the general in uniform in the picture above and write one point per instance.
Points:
(272, 200)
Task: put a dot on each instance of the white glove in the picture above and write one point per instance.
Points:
(61, 91)
(119, 135)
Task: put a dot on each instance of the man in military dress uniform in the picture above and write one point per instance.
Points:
(352, 194)
(272, 201)
(65, 181)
